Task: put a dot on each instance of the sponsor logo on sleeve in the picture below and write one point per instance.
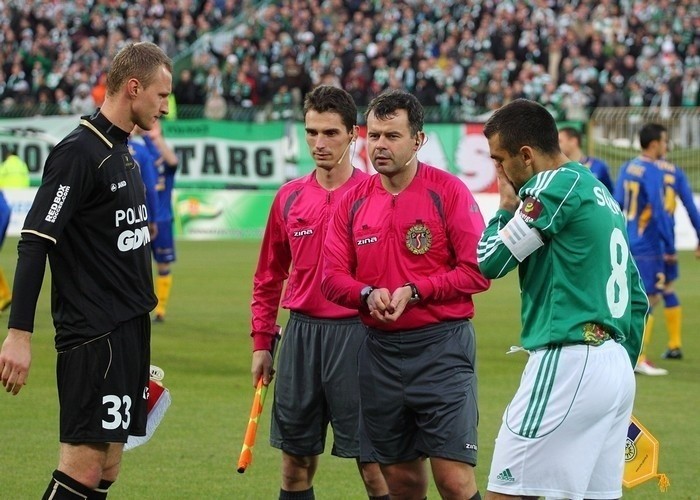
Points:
(58, 201)
(530, 209)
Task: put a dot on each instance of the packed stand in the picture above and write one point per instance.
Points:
(462, 59)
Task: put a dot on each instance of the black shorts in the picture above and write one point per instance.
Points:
(102, 385)
(316, 384)
(418, 394)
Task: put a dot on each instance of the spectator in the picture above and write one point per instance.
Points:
(63, 106)
(428, 39)
(187, 91)
(611, 97)
(689, 135)
(82, 102)
(215, 107)
(99, 90)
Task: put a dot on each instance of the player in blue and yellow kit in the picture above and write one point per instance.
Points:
(153, 153)
(640, 193)
(675, 185)
(570, 144)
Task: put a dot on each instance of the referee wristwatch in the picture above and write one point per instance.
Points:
(364, 294)
(415, 296)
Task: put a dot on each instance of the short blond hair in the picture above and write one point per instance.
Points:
(140, 60)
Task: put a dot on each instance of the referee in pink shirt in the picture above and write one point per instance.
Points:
(316, 384)
(401, 249)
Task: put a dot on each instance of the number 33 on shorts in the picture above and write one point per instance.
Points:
(119, 409)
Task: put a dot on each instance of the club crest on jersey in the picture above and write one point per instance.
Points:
(530, 209)
(419, 239)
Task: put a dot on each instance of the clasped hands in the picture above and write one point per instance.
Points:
(387, 307)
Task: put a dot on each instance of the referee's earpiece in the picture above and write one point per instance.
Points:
(420, 138)
(353, 137)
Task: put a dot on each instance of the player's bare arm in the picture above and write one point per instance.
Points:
(15, 359)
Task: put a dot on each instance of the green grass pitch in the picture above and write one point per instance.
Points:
(204, 348)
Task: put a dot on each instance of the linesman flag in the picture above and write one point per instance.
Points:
(642, 457)
(246, 456)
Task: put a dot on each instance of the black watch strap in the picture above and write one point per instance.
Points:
(415, 296)
(364, 294)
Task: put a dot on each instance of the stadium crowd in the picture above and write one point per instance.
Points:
(460, 58)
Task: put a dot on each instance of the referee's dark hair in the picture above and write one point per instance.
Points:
(136, 60)
(524, 123)
(386, 104)
(327, 98)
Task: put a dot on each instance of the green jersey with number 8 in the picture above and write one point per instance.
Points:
(578, 283)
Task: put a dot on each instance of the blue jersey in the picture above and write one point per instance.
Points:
(640, 193)
(164, 188)
(5, 212)
(599, 169)
(146, 157)
(161, 177)
(676, 185)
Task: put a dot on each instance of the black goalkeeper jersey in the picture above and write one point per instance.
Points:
(90, 216)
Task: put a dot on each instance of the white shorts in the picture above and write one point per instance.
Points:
(563, 434)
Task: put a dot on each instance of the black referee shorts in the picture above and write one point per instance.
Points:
(418, 394)
(102, 385)
(316, 385)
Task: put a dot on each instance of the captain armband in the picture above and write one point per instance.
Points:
(520, 238)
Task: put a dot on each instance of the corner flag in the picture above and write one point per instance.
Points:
(642, 457)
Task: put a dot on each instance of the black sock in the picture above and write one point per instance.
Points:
(477, 496)
(297, 495)
(64, 487)
(100, 493)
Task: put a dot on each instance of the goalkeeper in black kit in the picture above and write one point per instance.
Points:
(90, 218)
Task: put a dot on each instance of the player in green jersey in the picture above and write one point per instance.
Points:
(583, 313)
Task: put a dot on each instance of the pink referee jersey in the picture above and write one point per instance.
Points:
(427, 234)
(294, 236)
